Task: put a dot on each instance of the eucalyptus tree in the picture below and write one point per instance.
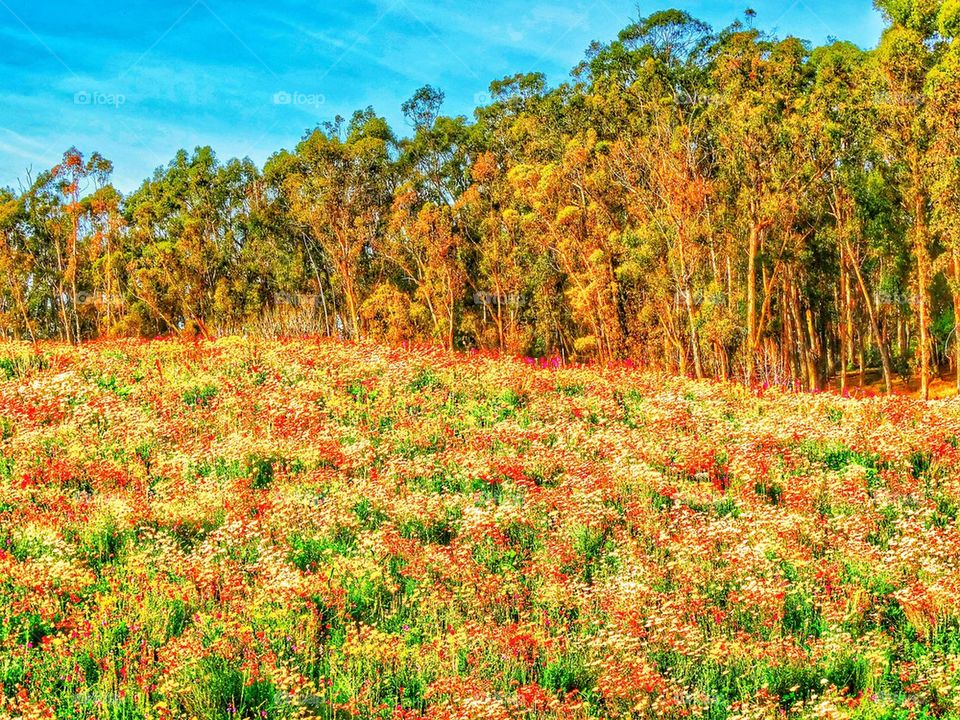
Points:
(16, 268)
(518, 288)
(654, 79)
(842, 127)
(907, 52)
(103, 212)
(942, 96)
(187, 228)
(338, 187)
(758, 134)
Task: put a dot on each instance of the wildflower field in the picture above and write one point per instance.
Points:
(267, 529)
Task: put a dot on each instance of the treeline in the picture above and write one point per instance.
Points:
(722, 204)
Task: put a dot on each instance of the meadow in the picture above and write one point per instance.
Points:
(294, 529)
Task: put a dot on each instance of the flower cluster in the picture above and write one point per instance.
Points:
(292, 529)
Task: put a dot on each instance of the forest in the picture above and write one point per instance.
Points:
(713, 203)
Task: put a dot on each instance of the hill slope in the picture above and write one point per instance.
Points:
(281, 529)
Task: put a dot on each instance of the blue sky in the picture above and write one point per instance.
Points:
(138, 80)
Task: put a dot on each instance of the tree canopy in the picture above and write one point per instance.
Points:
(717, 203)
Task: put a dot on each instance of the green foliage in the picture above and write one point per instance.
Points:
(103, 542)
(487, 234)
(310, 554)
(261, 470)
(839, 457)
(438, 531)
(19, 364)
(425, 379)
(110, 383)
(200, 396)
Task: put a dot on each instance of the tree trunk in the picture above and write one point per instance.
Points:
(813, 353)
(844, 326)
(803, 350)
(956, 314)
(874, 326)
(752, 245)
(923, 272)
(694, 339)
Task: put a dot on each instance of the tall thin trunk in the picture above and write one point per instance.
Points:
(752, 246)
(874, 326)
(21, 306)
(61, 296)
(73, 268)
(451, 311)
(813, 353)
(803, 349)
(922, 253)
(694, 338)
(316, 275)
(956, 314)
(844, 326)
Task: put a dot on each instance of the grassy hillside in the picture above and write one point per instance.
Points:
(298, 529)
